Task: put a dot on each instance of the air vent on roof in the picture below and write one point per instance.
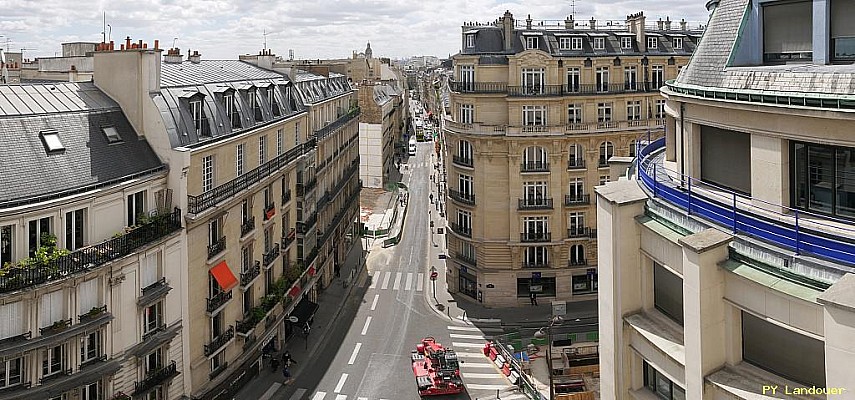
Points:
(50, 139)
(112, 134)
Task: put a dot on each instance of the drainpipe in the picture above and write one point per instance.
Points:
(682, 142)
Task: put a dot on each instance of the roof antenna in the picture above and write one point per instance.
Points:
(573, 8)
(175, 39)
(264, 33)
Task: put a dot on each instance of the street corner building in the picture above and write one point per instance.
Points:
(726, 259)
(540, 114)
(90, 251)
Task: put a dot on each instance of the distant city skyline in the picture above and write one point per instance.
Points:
(224, 29)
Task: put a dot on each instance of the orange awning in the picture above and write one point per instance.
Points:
(224, 276)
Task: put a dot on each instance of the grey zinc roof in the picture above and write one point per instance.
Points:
(711, 56)
(29, 173)
(53, 97)
(212, 71)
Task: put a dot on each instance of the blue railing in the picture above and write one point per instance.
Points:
(797, 230)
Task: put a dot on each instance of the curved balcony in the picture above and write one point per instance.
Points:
(576, 128)
(535, 237)
(572, 200)
(464, 231)
(462, 161)
(533, 203)
(462, 197)
(478, 87)
(795, 230)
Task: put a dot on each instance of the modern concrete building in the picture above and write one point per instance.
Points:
(381, 127)
(726, 262)
(242, 144)
(539, 111)
(92, 252)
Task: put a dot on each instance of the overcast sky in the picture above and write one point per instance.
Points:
(222, 29)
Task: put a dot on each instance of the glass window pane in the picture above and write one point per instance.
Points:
(845, 182)
(800, 174)
(820, 175)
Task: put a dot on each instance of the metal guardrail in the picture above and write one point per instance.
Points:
(819, 235)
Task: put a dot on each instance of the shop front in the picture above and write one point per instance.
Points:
(467, 283)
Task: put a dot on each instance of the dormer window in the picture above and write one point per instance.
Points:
(231, 109)
(788, 31)
(626, 43)
(652, 42)
(274, 105)
(470, 40)
(599, 43)
(253, 105)
(112, 134)
(50, 139)
(531, 42)
(678, 43)
(576, 43)
(200, 121)
(564, 43)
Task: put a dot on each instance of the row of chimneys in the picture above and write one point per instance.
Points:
(173, 55)
(570, 24)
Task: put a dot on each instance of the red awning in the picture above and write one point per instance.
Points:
(294, 292)
(224, 276)
(312, 271)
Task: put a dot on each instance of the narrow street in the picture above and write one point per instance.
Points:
(367, 355)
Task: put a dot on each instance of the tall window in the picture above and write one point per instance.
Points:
(788, 26)
(577, 254)
(563, 43)
(231, 110)
(136, 207)
(52, 308)
(200, 122)
(576, 155)
(279, 137)
(241, 158)
(92, 391)
(152, 317)
(824, 179)
(467, 77)
(531, 42)
(534, 157)
(576, 43)
(533, 80)
(668, 293)
(470, 41)
(466, 113)
(215, 231)
(464, 150)
(626, 42)
(465, 185)
(74, 229)
(534, 115)
(576, 188)
(7, 246)
(11, 372)
(90, 347)
(467, 250)
(599, 43)
(652, 42)
(602, 75)
(604, 112)
(535, 227)
(573, 79)
(678, 43)
(607, 151)
(35, 230)
(207, 173)
(262, 149)
(536, 257)
(11, 323)
(464, 221)
(253, 105)
(535, 193)
(660, 108)
(154, 361)
(660, 384)
(53, 360)
(576, 223)
(629, 77)
(657, 76)
(633, 110)
(574, 113)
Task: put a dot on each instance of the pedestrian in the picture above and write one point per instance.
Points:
(286, 372)
(532, 299)
(286, 359)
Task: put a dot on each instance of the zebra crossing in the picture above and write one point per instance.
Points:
(393, 280)
(480, 375)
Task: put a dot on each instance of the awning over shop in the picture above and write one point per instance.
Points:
(224, 276)
(304, 311)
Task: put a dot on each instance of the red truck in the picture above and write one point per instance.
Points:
(436, 369)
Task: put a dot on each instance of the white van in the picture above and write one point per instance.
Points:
(412, 147)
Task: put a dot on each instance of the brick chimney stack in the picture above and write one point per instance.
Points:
(194, 58)
(173, 56)
(593, 24)
(683, 24)
(568, 22)
(667, 23)
(508, 29)
(528, 22)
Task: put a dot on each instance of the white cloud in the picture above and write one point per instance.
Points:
(313, 29)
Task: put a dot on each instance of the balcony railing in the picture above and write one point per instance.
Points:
(154, 286)
(218, 300)
(535, 204)
(304, 188)
(286, 197)
(536, 90)
(462, 197)
(354, 197)
(539, 166)
(576, 163)
(535, 264)
(220, 341)
(602, 162)
(269, 211)
(818, 235)
(535, 237)
(571, 200)
(579, 232)
(206, 200)
(271, 255)
(291, 237)
(463, 161)
(555, 130)
(247, 226)
(155, 378)
(577, 262)
(91, 314)
(478, 87)
(251, 273)
(461, 230)
(20, 276)
(468, 259)
(56, 327)
(322, 133)
(217, 247)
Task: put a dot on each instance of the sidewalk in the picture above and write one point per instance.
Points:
(330, 304)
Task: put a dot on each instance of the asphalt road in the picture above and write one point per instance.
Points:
(367, 354)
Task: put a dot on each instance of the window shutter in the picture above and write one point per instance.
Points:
(149, 270)
(87, 292)
(11, 320)
(51, 308)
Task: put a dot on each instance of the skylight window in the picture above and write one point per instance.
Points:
(112, 134)
(51, 141)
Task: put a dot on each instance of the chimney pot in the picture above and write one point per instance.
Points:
(128, 42)
(122, 47)
(528, 22)
(683, 24)
(112, 45)
(156, 44)
(593, 23)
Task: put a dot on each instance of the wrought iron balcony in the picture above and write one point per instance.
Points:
(463, 161)
(537, 166)
(197, 204)
(578, 232)
(310, 222)
(467, 259)
(91, 314)
(269, 211)
(251, 273)
(530, 203)
(217, 247)
(247, 226)
(56, 327)
(220, 341)
(291, 237)
(461, 230)
(535, 90)
(218, 300)
(19, 277)
(478, 87)
(576, 163)
(155, 377)
(286, 197)
(271, 255)
(462, 197)
(577, 262)
(602, 162)
(535, 237)
(535, 264)
(338, 123)
(577, 199)
(154, 286)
